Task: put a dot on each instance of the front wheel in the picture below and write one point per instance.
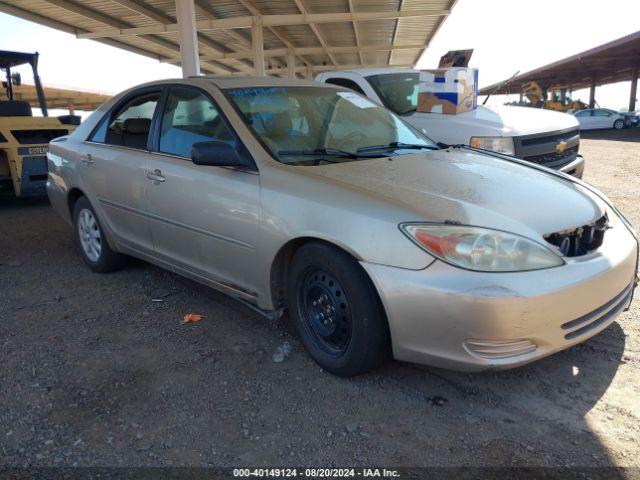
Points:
(336, 310)
(94, 247)
(618, 124)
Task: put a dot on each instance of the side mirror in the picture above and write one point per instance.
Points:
(218, 154)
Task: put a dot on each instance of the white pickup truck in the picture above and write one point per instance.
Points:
(541, 136)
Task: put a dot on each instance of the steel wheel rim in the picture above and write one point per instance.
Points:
(618, 124)
(325, 311)
(90, 235)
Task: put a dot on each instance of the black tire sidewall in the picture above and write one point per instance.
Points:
(368, 346)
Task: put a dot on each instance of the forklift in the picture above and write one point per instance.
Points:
(24, 139)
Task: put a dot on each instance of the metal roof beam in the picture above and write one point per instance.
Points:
(395, 32)
(96, 16)
(244, 41)
(355, 32)
(64, 27)
(277, 52)
(162, 18)
(316, 32)
(326, 68)
(253, 9)
(267, 21)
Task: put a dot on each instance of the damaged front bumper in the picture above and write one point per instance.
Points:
(463, 320)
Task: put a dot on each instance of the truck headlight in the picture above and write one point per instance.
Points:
(496, 144)
(481, 249)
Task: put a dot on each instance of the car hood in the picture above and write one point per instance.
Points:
(502, 121)
(471, 188)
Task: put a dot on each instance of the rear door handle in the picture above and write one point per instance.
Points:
(155, 175)
(87, 159)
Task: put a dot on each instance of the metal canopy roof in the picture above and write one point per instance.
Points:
(612, 62)
(58, 97)
(314, 35)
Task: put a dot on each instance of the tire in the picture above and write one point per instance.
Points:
(618, 124)
(337, 311)
(91, 239)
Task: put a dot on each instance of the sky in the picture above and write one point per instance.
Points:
(512, 35)
(506, 35)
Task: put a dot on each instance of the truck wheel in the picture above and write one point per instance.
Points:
(618, 124)
(91, 238)
(336, 311)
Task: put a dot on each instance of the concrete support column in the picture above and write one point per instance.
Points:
(258, 47)
(188, 37)
(592, 92)
(634, 89)
(291, 64)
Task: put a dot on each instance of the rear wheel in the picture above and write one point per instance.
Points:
(336, 310)
(91, 238)
(618, 124)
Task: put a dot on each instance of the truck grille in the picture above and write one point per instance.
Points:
(547, 158)
(582, 240)
(551, 149)
(33, 137)
(552, 138)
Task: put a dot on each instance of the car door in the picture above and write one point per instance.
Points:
(204, 218)
(113, 168)
(602, 119)
(585, 119)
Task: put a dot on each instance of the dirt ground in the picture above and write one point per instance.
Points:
(95, 372)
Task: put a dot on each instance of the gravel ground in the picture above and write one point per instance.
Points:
(94, 372)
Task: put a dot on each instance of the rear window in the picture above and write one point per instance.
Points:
(32, 137)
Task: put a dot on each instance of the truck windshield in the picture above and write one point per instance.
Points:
(314, 125)
(398, 91)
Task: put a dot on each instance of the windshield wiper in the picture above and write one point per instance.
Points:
(325, 152)
(398, 145)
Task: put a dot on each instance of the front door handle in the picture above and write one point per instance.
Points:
(87, 159)
(155, 175)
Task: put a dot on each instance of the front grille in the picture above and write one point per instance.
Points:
(582, 240)
(546, 158)
(33, 137)
(553, 138)
(599, 316)
(543, 148)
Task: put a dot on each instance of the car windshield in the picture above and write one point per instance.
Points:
(398, 91)
(315, 125)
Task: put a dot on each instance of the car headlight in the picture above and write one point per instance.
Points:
(481, 249)
(496, 144)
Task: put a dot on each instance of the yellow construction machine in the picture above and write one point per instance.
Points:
(560, 97)
(24, 139)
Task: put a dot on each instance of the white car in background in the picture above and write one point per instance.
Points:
(595, 118)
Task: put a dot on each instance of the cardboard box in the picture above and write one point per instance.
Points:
(448, 90)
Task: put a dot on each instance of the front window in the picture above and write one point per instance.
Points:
(398, 91)
(312, 125)
(189, 118)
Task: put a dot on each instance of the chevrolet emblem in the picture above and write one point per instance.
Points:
(561, 147)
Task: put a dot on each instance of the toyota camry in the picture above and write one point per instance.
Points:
(310, 200)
